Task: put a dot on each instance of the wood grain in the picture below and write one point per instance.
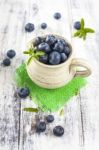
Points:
(81, 120)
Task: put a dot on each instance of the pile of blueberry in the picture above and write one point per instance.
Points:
(41, 125)
(10, 54)
(56, 49)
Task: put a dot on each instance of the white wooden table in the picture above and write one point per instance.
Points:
(81, 120)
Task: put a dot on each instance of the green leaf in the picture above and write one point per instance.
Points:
(31, 109)
(84, 36)
(26, 52)
(40, 53)
(81, 34)
(82, 24)
(37, 57)
(31, 50)
(33, 54)
(89, 30)
(29, 60)
(61, 112)
(77, 33)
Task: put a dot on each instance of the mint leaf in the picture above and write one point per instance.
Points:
(82, 24)
(82, 33)
(26, 52)
(89, 30)
(61, 112)
(84, 36)
(29, 60)
(31, 109)
(31, 50)
(76, 33)
(33, 53)
(40, 53)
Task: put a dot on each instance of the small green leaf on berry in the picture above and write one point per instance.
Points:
(82, 33)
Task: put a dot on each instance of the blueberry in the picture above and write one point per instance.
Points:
(44, 59)
(63, 57)
(43, 39)
(44, 47)
(77, 25)
(67, 50)
(59, 47)
(11, 53)
(41, 127)
(50, 118)
(54, 58)
(58, 131)
(23, 92)
(50, 39)
(6, 62)
(29, 27)
(43, 25)
(62, 41)
(57, 15)
(37, 41)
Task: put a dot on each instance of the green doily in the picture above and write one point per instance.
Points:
(48, 99)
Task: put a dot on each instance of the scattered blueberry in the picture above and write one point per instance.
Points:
(57, 15)
(41, 127)
(59, 47)
(50, 39)
(11, 53)
(29, 27)
(37, 41)
(63, 57)
(6, 62)
(43, 25)
(67, 50)
(23, 92)
(77, 25)
(58, 131)
(44, 59)
(54, 58)
(50, 118)
(44, 47)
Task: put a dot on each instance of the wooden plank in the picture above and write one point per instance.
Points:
(27, 139)
(72, 118)
(80, 120)
(9, 104)
(88, 49)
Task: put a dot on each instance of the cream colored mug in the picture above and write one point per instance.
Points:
(51, 77)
